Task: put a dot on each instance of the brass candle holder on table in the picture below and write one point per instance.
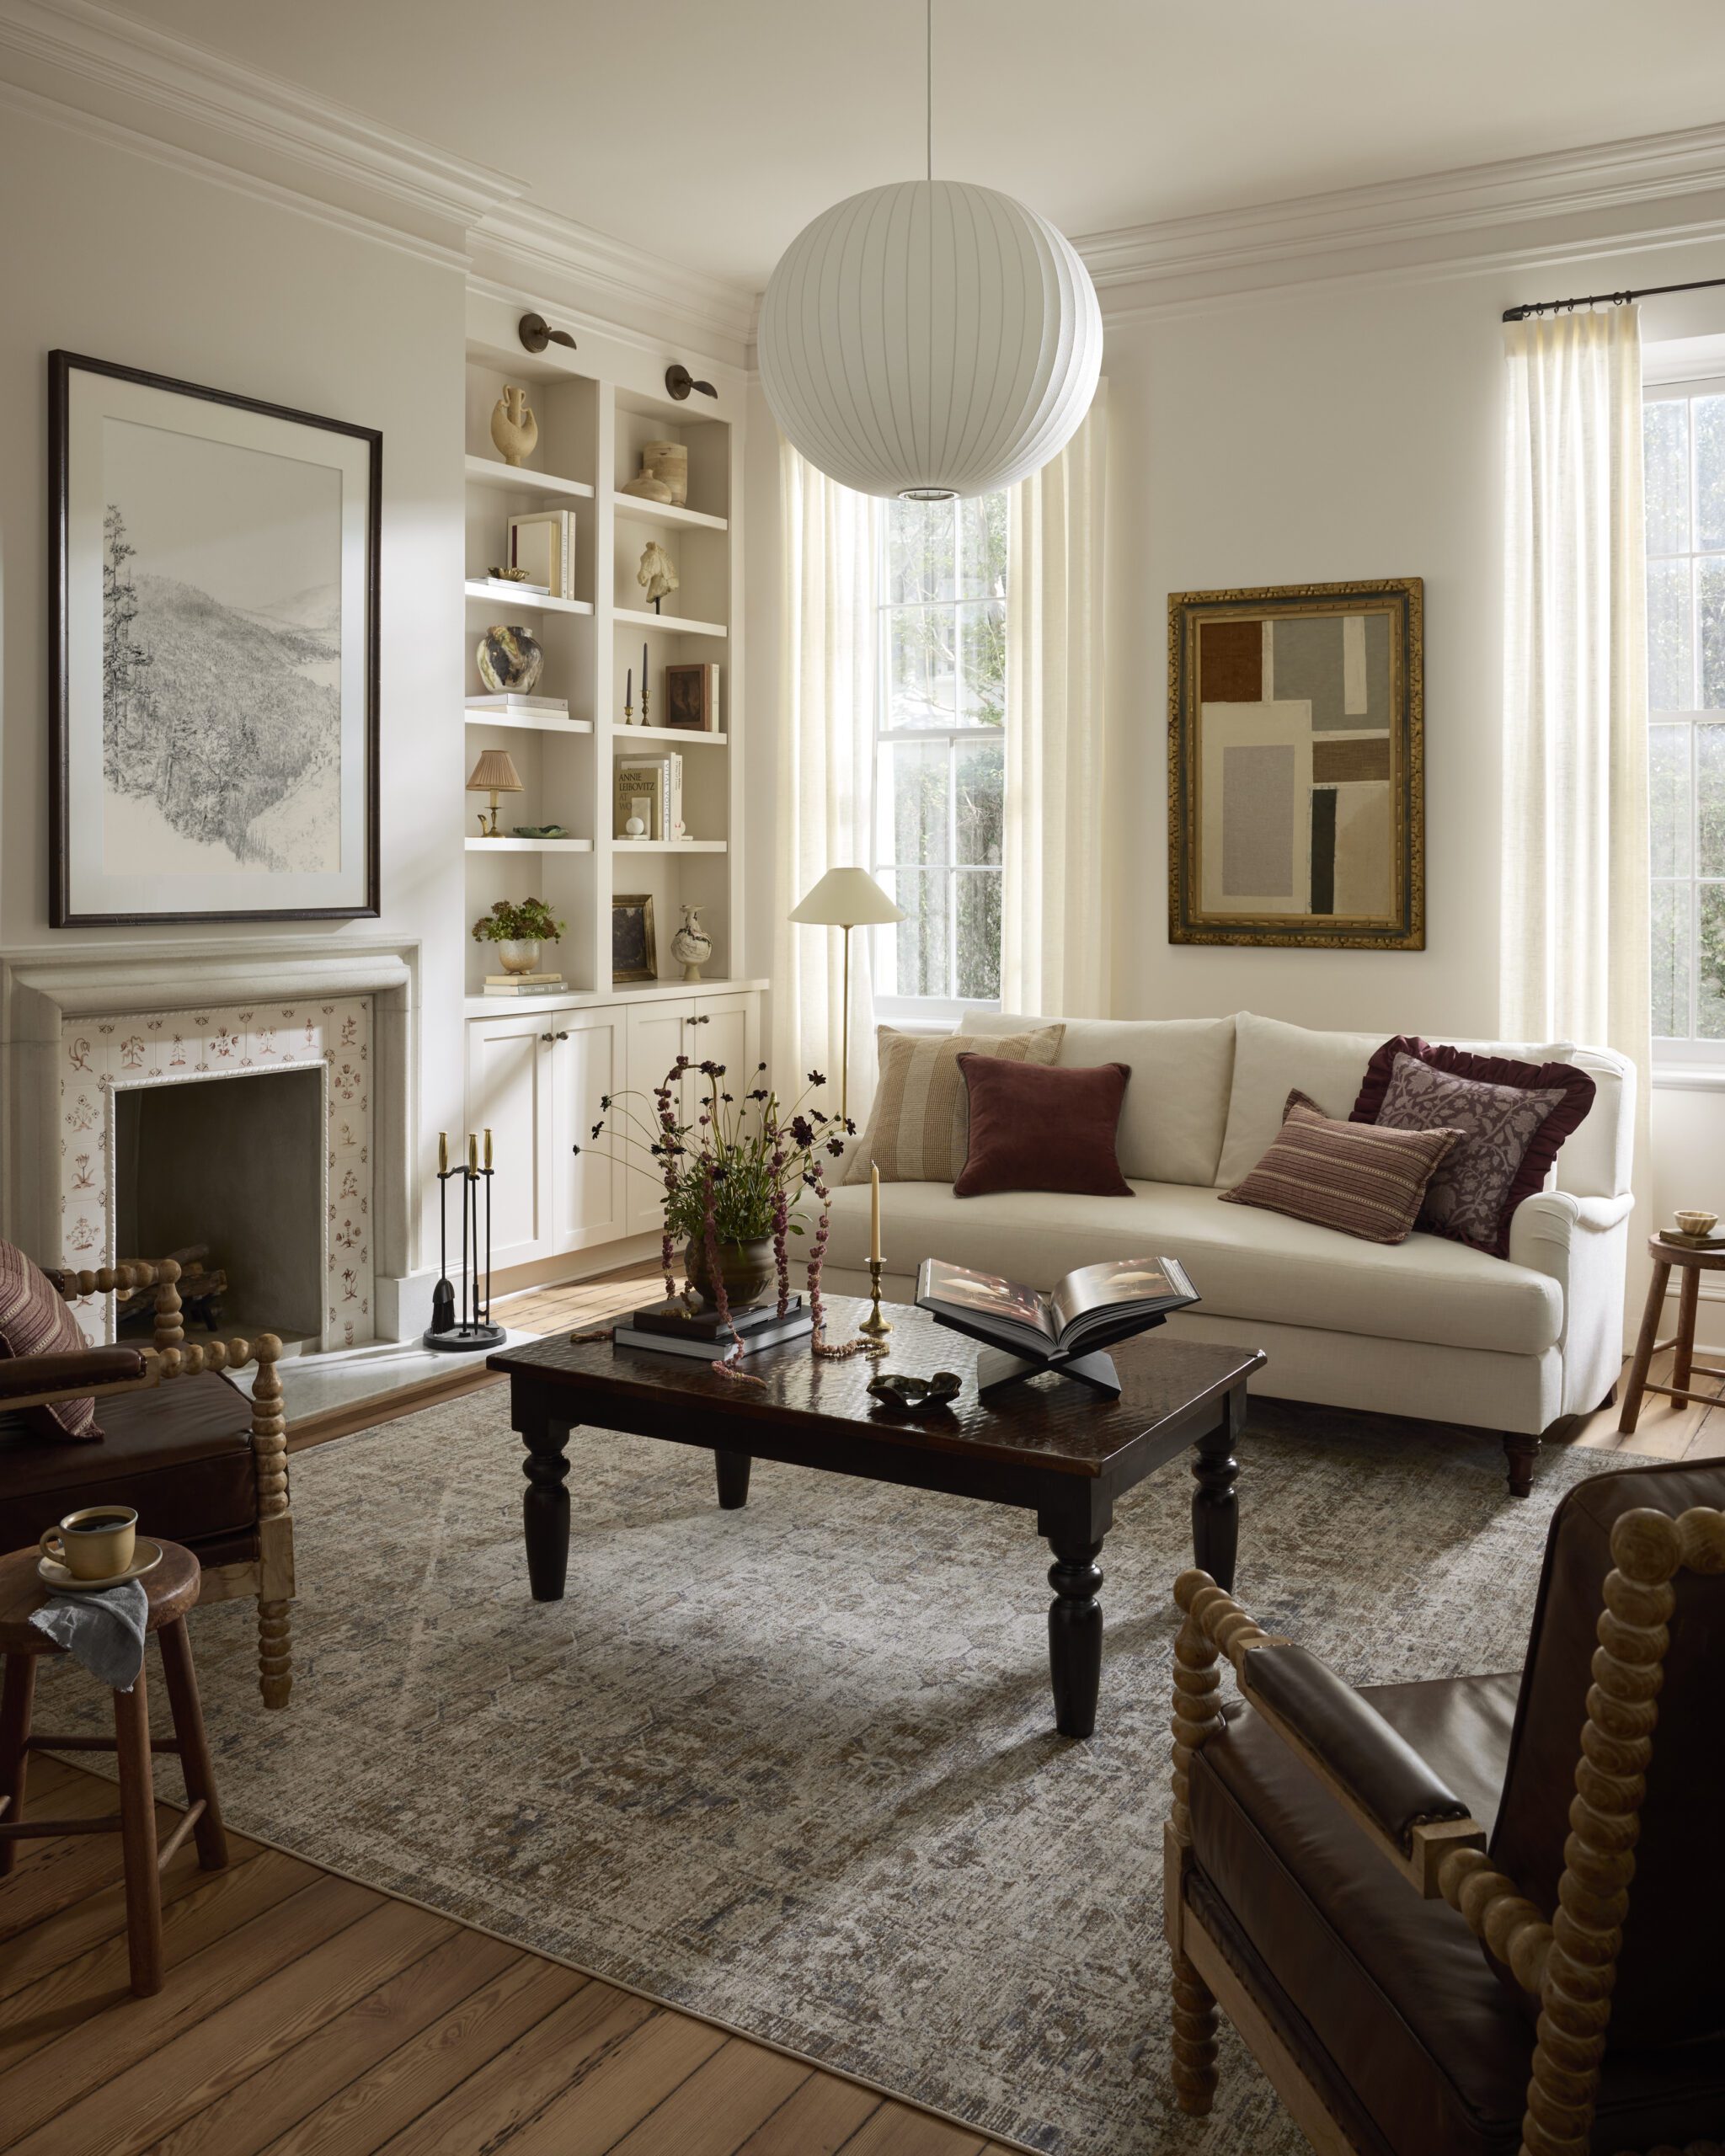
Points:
(875, 1326)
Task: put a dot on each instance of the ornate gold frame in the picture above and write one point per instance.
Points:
(1405, 929)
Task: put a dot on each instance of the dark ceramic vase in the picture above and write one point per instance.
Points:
(747, 1270)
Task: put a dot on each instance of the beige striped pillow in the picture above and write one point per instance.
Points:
(1318, 1171)
(919, 1129)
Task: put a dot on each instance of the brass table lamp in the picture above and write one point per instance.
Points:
(494, 774)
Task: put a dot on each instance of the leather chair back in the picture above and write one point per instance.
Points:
(1671, 1976)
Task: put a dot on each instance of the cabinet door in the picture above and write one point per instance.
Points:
(588, 1062)
(508, 1093)
(659, 1032)
(727, 1029)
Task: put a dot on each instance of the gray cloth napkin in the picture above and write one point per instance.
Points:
(105, 1631)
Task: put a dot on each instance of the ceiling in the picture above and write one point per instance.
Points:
(710, 133)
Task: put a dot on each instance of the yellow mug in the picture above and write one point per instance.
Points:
(93, 1544)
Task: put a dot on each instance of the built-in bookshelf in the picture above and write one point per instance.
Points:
(596, 407)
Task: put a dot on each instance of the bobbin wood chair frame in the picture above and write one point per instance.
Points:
(1567, 1962)
(268, 1575)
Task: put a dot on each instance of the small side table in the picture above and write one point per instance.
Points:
(1691, 1263)
(173, 1590)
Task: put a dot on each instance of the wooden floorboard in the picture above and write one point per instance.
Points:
(306, 2015)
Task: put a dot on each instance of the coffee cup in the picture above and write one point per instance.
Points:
(93, 1544)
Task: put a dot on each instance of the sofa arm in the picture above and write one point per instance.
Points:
(1583, 1244)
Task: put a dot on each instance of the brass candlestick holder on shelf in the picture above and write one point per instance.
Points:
(875, 1326)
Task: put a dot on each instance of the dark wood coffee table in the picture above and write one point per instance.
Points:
(1048, 1445)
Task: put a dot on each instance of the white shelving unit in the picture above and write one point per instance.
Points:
(530, 846)
(633, 511)
(501, 596)
(493, 472)
(529, 721)
(643, 617)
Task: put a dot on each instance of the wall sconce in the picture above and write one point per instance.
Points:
(536, 333)
(680, 382)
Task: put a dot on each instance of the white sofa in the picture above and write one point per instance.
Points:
(1427, 1328)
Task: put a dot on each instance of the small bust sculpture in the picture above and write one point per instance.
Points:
(656, 576)
(513, 429)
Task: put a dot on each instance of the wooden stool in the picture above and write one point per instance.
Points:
(1691, 1263)
(172, 1589)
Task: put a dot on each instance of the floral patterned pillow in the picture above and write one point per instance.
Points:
(1468, 1196)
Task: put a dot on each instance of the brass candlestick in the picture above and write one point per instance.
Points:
(875, 1326)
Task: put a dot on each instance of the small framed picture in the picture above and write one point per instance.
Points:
(213, 647)
(634, 954)
(692, 698)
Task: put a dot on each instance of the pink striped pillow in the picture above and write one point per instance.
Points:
(1318, 1170)
(33, 1321)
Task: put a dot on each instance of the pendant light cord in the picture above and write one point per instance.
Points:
(928, 80)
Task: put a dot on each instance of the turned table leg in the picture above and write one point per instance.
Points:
(1074, 1634)
(1215, 1510)
(15, 1698)
(1633, 1391)
(1683, 1362)
(545, 1508)
(733, 1471)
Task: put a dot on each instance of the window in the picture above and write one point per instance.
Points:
(940, 763)
(1684, 444)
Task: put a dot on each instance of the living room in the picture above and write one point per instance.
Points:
(968, 755)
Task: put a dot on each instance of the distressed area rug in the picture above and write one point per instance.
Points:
(793, 1767)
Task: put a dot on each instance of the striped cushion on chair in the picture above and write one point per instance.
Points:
(33, 1321)
(1318, 1170)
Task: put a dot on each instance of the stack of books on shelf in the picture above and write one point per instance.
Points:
(543, 544)
(524, 984)
(673, 1328)
(650, 787)
(541, 707)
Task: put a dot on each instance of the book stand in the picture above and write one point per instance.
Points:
(996, 1369)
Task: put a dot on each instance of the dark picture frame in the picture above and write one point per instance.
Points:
(228, 828)
(634, 949)
(1296, 766)
(689, 697)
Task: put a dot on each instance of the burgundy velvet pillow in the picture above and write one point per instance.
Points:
(1478, 1162)
(1037, 1126)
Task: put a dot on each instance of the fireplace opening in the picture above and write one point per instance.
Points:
(233, 1169)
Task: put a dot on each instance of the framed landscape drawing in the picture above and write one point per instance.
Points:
(1296, 810)
(214, 655)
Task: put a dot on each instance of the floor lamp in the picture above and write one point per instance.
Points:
(847, 899)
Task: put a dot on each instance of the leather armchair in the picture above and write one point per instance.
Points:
(1444, 1924)
(200, 1462)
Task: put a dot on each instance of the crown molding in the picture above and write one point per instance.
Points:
(1434, 221)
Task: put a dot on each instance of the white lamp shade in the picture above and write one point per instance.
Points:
(930, 339)
(846, 897)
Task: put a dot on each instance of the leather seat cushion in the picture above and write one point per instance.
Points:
(180, 1454)
(1396, 2001)
(1258, 1266)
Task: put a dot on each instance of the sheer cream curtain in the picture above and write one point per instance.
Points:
(828, 677)
(1575, 900)
(1056, 941)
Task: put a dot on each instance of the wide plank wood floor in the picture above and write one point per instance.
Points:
(304, 2015)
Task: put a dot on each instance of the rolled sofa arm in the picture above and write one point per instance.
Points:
(1582, 1245)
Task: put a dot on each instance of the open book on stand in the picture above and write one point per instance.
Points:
(1064, 1330)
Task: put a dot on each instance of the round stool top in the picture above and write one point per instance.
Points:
(1671, 1252)
(172, 1587)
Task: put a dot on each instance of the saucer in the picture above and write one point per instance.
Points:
(52, 1573)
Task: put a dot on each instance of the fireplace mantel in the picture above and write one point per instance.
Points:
(44, 989)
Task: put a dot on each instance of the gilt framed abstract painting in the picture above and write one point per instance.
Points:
(1297, 807)
(214, 655)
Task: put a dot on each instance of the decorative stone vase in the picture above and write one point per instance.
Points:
(747, 1270)
(692, 947)
(509, 659)
(513, 429)
(518, 955)
(668, 461)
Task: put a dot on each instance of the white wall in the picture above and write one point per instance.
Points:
(112, 254)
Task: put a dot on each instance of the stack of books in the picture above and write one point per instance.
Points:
(673, 1328)
(650, 787)
(524, 984)
(543, 544)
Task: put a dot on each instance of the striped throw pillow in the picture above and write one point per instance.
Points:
(1317, 1169)
(919, 1129)
(33, 1321)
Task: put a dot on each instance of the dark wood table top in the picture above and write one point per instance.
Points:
(1048, 1423)
(171, 1587)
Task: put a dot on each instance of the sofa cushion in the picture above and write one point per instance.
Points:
(1271, 1056)
(180, 1454)
(1513, 1116)
(919, 1127)
(1176, 1105)
(1354, 1177)
(1035, 1129)
(1392, 1992)
(1257, 1267)
(34, 1319)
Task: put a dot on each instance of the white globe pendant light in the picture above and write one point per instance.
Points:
(930, 339)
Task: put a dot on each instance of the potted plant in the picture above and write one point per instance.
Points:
(733, 1173)
(516, 927)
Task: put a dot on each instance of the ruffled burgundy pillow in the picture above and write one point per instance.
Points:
(1039, 1127)
(1512, 1116)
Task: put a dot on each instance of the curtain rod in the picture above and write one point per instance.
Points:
(1602, 299)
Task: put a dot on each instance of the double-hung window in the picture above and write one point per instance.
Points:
(1684, 455)
(940, 759)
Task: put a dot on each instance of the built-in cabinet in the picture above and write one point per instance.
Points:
(537, 1077)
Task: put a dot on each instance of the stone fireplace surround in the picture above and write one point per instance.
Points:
(50, 1001)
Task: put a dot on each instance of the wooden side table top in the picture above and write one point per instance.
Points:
(1664, 1252)
(172, 1588)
